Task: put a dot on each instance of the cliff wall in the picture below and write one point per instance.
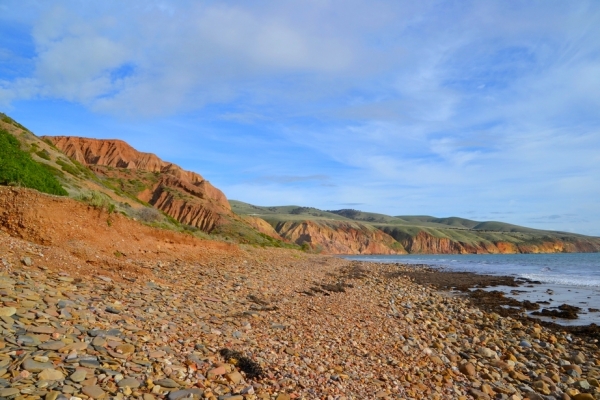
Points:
(334, 237)
(183, 195)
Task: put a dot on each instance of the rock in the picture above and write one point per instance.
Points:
(52, 345)
(113, 310)
(468, 369)
(7, 311)
(93, 391)
(180, 394)
(7, 392)
(578, 358)
(125, 348)
(51, 374)
(213, 373)
(34, 366)
(78, 376)
(283, 396)
(27, 261)
(167, 382)
(488, 353)
(129, 382)
(234, 377)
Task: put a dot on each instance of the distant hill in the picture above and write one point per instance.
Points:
(413, 234)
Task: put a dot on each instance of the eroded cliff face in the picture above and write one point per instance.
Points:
(183, 195)
(335, 237)
(426, 243)
(262, 226)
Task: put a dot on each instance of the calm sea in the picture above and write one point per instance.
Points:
(573, 269)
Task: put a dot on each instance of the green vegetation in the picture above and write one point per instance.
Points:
(18, 168)
(43, 154)
(9, 120)
(67, 167)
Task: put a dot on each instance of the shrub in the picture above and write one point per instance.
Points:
(18, 168)
(43, 154)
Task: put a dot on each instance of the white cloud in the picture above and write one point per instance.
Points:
(414, 106)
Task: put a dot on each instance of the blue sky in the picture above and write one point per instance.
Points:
(488, 110)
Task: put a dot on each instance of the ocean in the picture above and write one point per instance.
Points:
(573, 278)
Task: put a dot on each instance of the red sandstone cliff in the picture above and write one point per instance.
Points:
(426, 243)
(184, 195)
(335, 237)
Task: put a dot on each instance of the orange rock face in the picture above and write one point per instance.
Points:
(339, 237)
(184, 195)
(425, 243)
(262, 226)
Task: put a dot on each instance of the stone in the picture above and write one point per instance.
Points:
(283, 396)
(7, 392)
(468, 369)
(129, 382)
(167, 382)
(488, 353)
(51, 374)
(7, 311)
(125, 348)
(52, 345)
(234, 377)
(78, 376)
(93, 391)
(27, 261)
(213, 373)
(34, 366)
(180, 394)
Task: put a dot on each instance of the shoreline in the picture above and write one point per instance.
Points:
(264, 324)
(492, 293)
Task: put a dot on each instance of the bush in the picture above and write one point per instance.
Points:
(43, 154)
(18, 168)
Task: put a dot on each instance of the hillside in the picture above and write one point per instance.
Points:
(320, 229)
(110, 174)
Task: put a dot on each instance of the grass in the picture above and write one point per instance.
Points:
(18, 168)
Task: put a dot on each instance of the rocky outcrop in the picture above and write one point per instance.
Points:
(335, 237)
(262, 226)
(183, 195)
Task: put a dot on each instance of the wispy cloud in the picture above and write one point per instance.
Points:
(403, 107)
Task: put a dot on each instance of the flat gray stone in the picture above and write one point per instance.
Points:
(53, 345)
(167, 383)
(9, 392)
(129, 382)
(34, 366)
(180, 394)
(78, 376)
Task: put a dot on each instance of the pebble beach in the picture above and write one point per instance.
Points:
(267, 324)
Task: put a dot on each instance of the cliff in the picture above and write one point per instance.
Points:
(183, 195)
(358, 232)
(335, 237)
(424, 242)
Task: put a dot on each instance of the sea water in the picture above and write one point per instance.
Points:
(571, 278)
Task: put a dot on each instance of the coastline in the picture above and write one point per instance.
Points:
(517, 297)
(251, 323)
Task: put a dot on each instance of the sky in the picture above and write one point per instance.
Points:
(487, 110)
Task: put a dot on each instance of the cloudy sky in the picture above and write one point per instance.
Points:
(488, 110)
